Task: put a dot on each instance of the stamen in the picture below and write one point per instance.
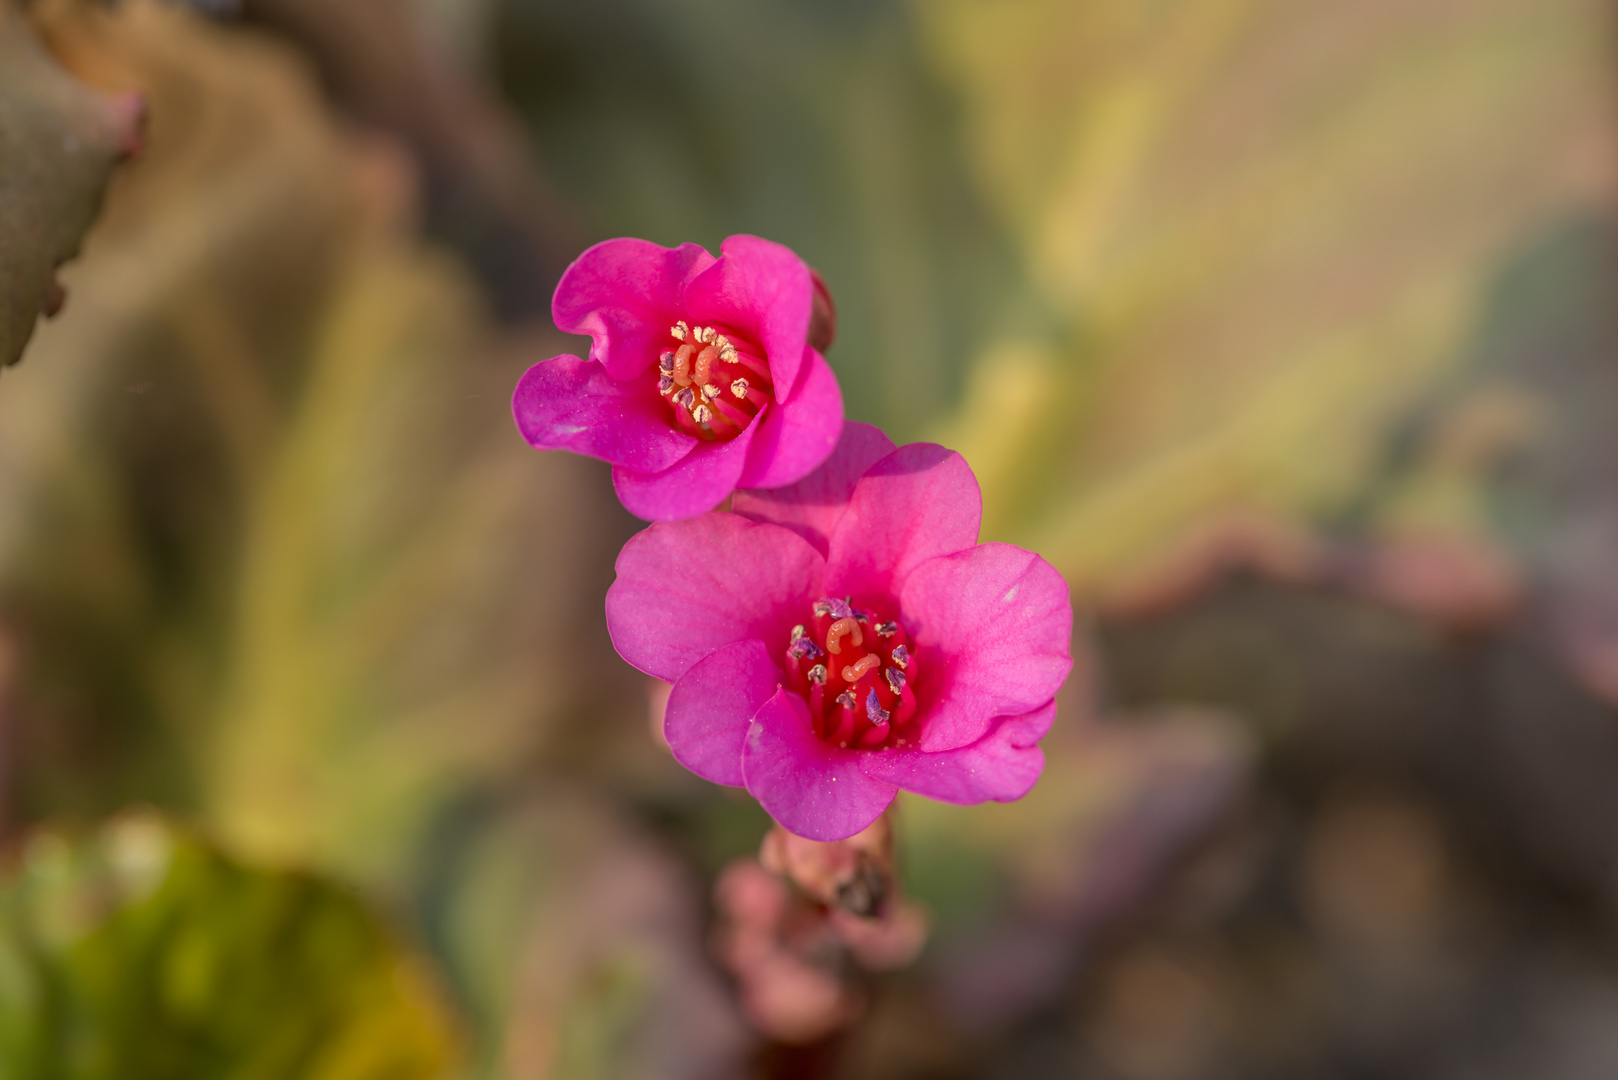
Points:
(665, 385)
(837, 609)
(804, 648)
(901, 656)
(874, 711)
(679, 330)
(702, 414)
(896, 680)
(797, 632)
(861, 617)
(739, 389)
(844, 627)
(710, 391)
(686, 397)
(856, 672)
(817, 674)
(847, 699)
(887, 629)
(704, 334)
(665, 363)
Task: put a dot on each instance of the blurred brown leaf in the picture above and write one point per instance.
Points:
(59, 142)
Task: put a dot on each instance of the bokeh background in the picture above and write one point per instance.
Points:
(1287, 330)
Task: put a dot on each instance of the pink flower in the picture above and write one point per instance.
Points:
(701, 378)
(837, 640)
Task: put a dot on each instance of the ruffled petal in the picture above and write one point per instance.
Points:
(919, 502)
(566, 403)
(994, 629)
(765, 289)
(712, 705)
(811, 788)
(1003, 765)
(694, 485)
(625, 294)
(795, 437)
(685, 588)
(812, 506)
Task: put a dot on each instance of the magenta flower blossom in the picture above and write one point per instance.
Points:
(700, 380)
(836, 640)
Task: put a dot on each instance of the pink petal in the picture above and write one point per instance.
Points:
(694, 485)
(685, 588)
(1003, 765)
(765, 289)
(919, 502)
(812, 506)
(570, 404)
(626, 294)
(795, 437)
(994, 629)
(813, 789)
(712, 705)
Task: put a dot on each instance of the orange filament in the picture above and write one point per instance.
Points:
(855, 672)
(840, 629)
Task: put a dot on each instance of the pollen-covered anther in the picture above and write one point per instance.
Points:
(679, 330)
(797, 632)
(686, 397)
(738, 389)
(874, 712)
(901, 656)
(665, 385)
(665, 363)
(817, 674)
(804, 648)
(702, 414)
(710, 391)
(843, 627)
(847, 700)
(896, 680)
(855, 672)
(887, 629)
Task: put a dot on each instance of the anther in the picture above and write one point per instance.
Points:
(837, 609)
(874, 711)
(844, 627)
(702, 414)
(704, 334)
(710, 391)
(861, 617)
(797, 632)
(847, 699)
(804, 648)
(665, 363)
(686, 397)
(901, 656)
(738, 389)
(665, 385)
(896, 680)
(679, 330)
(887, 629)
(817, 674)
(855, 672)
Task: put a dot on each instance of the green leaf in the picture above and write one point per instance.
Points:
(141, 952)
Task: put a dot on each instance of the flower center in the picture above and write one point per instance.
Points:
(716, 382)
(855, 670)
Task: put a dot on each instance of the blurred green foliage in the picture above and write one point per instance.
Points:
(141, 952)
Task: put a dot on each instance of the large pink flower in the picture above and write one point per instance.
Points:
(700, 378)
(837, 640)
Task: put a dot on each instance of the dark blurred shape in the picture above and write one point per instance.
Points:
(486, 192)
(59, 142)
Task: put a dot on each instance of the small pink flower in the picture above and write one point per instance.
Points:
(839, 639)
(701, 378)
